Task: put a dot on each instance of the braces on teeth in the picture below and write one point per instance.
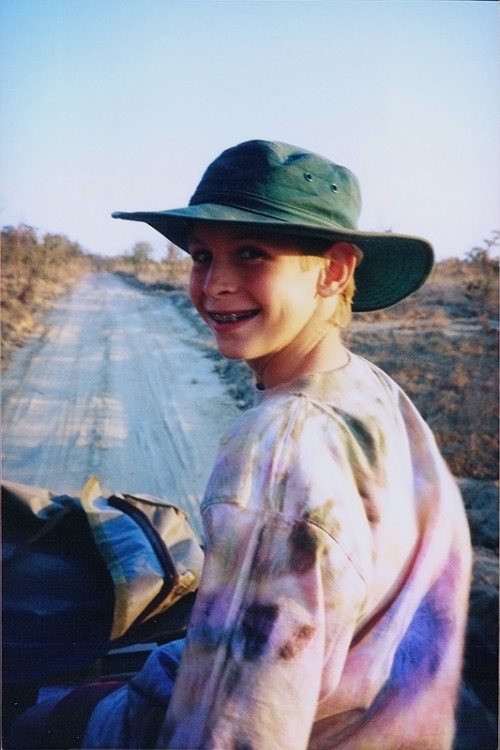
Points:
(229, 318)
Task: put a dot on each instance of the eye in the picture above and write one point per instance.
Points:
(200, 256)
(251, 252)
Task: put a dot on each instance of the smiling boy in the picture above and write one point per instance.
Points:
(334, 595)
(333, 600)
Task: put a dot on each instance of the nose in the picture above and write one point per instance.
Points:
(220, 278)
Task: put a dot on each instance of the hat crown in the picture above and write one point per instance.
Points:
(279, 180)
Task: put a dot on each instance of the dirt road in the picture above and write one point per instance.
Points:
(117, 386)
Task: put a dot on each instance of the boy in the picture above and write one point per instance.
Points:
(333, 601)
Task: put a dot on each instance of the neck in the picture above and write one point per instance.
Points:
(327, 353)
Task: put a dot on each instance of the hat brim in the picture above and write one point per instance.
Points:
(393, 265)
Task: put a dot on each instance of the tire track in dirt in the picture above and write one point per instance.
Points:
(116, 386)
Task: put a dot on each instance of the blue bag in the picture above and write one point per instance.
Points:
(83, 574)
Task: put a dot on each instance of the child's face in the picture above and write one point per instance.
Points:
(254, 292)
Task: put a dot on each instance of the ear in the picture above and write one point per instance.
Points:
(341, 259)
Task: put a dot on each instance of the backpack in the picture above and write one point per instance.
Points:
(84, 574)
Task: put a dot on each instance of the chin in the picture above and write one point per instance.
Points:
(233, 351)
(230, 353)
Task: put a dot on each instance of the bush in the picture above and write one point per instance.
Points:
(34, 272)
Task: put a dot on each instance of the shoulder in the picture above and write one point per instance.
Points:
(360, 390)
(296, 450)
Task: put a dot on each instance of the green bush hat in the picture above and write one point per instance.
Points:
(283, 189)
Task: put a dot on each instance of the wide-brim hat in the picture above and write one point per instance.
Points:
(282, 189)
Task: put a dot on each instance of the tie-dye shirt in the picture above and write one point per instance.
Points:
(334, 593)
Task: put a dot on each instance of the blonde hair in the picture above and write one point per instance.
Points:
(343, 314)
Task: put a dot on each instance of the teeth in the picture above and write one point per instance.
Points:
(231, 317)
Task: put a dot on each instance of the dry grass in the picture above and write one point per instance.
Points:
(167, 273)
(453, 380)
(34, 273)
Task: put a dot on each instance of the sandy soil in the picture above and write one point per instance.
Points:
(116, 386)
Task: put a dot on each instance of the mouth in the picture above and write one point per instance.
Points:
(232, 317)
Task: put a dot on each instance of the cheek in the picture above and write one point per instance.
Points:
(297, 296)
(195, 288)
(260, 287)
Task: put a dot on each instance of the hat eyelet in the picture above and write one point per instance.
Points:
(308, 176)
(333, 187)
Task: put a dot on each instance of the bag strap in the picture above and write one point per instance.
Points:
(159, 547)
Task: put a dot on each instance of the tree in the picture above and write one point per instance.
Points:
(173, 253)
(141, 253)
(482, 276)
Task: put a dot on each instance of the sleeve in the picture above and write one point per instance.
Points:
(279, 599)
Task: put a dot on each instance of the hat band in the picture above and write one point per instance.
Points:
(274, 210)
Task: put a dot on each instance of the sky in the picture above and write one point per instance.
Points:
(121, 105)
